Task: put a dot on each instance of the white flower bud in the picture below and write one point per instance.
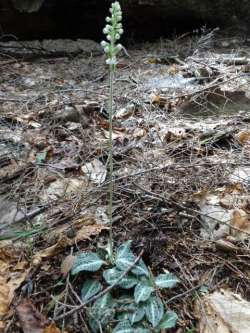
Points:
(108, 37)
(119, 47)
(108, 19)
(105, 31)
(117, 36)
(106, 49)
(104, 43)
(120, 31)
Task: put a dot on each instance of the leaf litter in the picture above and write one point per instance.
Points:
(181, 168)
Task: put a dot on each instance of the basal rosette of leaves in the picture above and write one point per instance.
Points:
(133, 305)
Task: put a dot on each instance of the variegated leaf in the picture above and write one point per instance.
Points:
(140, 269)
(142, 292)
(154, 310)
(169, 320)
(137, 315)
(166, 280)
(89, 289)
(123, 327)
(87, 261)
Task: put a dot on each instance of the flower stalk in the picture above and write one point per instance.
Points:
(113, 31)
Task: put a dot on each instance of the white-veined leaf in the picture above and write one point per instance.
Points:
(169, 320)
(137, 315)
(123, 263)
(154, 310)
(142, 292)
(140, 269)
(113, 274)
(103, 302)
(89, 289)
(124, 256)
(87, 261)
(122, 316)
(101, 318)
(102, 312)
(139, 329)
(128, 282)
(124, 249)
(166, 281)
(123, 327)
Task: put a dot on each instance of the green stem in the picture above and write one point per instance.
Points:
(110, 159)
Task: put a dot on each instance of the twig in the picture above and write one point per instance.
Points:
(102, 293)
(184, 293)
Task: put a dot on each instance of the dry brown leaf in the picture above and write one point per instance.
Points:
(52, 329)
(240, 221)
(67, 264)
(159, 100)
(88, 230)
(51, 251)
(244, 137)
(31, 320)
(84, 233)
(4, 296)
(12, 275)
(139, 133)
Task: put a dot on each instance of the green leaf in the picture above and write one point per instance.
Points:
(103, 319)
(121, 316)
(102, 312)
(128, 282)
(41, 157)
(87, 261)
(140, 269)
(137, 315)
(89, 289)
(203, 290)
(169, 320)
(124, 256)
(106, 301)
(124, 249)
(142, 292)
(141, 329)
(113, 274)
(166, 281)
(154, 310)
(123, 327)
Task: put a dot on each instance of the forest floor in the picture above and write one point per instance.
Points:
(181, 140)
